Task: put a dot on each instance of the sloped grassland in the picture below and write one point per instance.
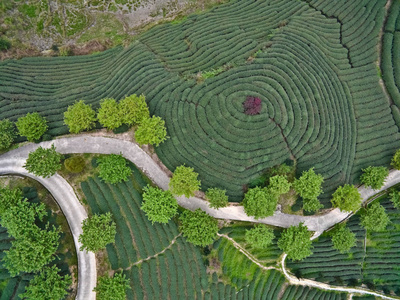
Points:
(311, 63)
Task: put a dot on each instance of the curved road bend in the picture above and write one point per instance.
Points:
(12, 161)
(74, 213)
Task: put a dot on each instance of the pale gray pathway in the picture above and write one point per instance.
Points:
(12, 161)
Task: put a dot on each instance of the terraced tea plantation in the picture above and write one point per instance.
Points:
(375, 264)
(312, 64)
(161, 264)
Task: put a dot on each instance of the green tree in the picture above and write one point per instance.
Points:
(295, 241)
(395, 198)
(260, 236)
(30, 254)
(374, 177)
(98, 231)
(151, 131)
(198, 227)
(134, 109)
(308, 186)
(279, 184)
(311, 205)
(217, 197)
(396, 160)
(19, 219)
(260, 202)
(159, 206)
(75, 164)
(343, 238)
(109, 114)
(184, 181)
(44, 162)
(9, 197)
(79, 117)
(346, 198)
(32, 126)
(112, 288)
(47, 285)
(7, 134)
(4, 44)
(375, 218)
(113, 169)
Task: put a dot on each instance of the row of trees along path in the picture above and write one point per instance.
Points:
(12, 163)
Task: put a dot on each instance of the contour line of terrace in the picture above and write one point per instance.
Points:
(12, 163)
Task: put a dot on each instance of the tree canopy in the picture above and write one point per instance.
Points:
(343, 238)
(47, 285)
(159, 206)
(112, 288)
(346, 198)
(32, 126)
(198, 227)
(151, 131)
(7, 134)
(113, 168)
(295, 241)
(308, 186)
(312, 204)
(279, 184)
(395, 198)
(79, 117)
(44, 162)
(260, 236)
(8, 198)
(375, 218)
(374, 177)
(109, 114)
(395, 163)
(217, 197)
(31, 253)
(134, 109)
(260, 202)
(184, 181)
(98, 231)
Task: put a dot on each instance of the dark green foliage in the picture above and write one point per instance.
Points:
(159, 206)
(151, 131)
(47, 285)
(44, 162)
(395, 198)
(4, 44)
(75, 164)
(279, 184)
(374, 177)
(32, 252)
(375, 218)
(308, 186)
(134, 109)
(260, 202)
(260, 236)
(8, 198)
(343, 238)
(7, 134)
(184, 181)
(113, 168)
(311, 205)
(109, 114)
(198, 227)
(112, 288)
(79, 117)
(217, 197)
(98, 231)
(32, 126)
(347, 198)
(295, 242)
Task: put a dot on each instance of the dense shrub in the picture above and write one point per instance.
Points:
(75, 164)
(7, 134)
(374, 177)
(217, 197)
(112, 288)
(252, 105)
(4, 44)
(343, 238)
(375, 218)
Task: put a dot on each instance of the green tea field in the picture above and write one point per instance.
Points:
(312, 64)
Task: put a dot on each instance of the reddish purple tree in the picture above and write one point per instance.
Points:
(252, 105)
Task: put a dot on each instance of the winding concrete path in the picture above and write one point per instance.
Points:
(12, 162)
